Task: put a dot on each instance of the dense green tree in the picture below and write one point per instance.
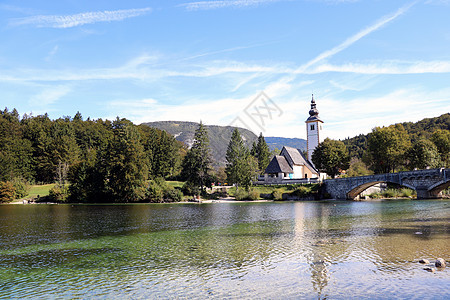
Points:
(387, 148)
(7, 191)
(197, 162)
(423, 154)
(165, 153)
(358, 168)
(241, 166)
(260, 150)
(16, 152)
(441, 138)
(331, 156)
(423, 129)
(126, 164)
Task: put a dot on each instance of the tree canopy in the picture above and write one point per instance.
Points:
(387, 148)
(331, 156)
(103, 160)
(260, 150)
(197, 163)
(241, 166)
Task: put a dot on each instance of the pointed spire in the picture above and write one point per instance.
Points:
(313, 111)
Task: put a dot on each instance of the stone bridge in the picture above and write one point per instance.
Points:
(427, 183)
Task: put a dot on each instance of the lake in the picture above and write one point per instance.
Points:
(273, 250)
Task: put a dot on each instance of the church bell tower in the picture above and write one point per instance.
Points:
(313, 129)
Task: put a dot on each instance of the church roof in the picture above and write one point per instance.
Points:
(278, 164)
(295, 157)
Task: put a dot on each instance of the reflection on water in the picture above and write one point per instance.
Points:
(232, 250)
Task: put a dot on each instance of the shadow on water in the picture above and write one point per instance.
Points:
(50, 258)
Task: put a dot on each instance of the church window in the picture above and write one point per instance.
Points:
(312, 127)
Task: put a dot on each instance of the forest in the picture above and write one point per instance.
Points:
(109, 161)
(118, 161)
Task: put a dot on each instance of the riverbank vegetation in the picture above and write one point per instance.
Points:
(90, 160)
(110, 161)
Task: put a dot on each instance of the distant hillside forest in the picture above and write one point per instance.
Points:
(219, 136)
(423, 129)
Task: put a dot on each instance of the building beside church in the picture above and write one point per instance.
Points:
(291, 166)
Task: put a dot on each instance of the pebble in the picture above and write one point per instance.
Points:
(432, 270)
(440, 263)
(424, 261)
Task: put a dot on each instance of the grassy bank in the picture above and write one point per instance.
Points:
(40, 190)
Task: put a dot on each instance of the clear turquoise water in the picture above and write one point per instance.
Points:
(294, 250)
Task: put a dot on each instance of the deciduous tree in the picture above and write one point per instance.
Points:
(387, 148)
(423, 154)
(331, 156)
(441, 138)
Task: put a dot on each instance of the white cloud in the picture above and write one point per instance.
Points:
(208, 5)
(359, 115)
(386, 67)
(67, 21)
(354, 38)
(49, 95)
(52, 53)
(144, 67)
(214, 111)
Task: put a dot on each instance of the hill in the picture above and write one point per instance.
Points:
(418, 130)
(219, 136)
(278, 143)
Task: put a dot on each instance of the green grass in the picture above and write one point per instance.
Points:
(41, 190)
(175, 184)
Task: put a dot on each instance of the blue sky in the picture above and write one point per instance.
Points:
(368, 63)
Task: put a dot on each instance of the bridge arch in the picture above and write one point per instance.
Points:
(355, 191)
(438, 187)
(427, 183)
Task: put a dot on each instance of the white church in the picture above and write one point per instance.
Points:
(291, 166)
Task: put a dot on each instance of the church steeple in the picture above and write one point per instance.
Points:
(313, 129)
(313, 112)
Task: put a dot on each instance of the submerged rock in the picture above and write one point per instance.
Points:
(424, 261)
(432, 270)
(440, 263)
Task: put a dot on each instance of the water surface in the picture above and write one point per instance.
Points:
(333, 250)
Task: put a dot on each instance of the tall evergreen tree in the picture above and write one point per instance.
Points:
(196, 164)
(126, 164)
(261, 151)
(241, 165)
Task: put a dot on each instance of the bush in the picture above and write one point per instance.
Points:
(277, 195)
(173, 195)
(253, 194)
(58, 193)
(7, 191)
(302, 191)
(391, 193)
(190, 189)
(241, 194)
(22, 187)
(405, 192)
(155, 192)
